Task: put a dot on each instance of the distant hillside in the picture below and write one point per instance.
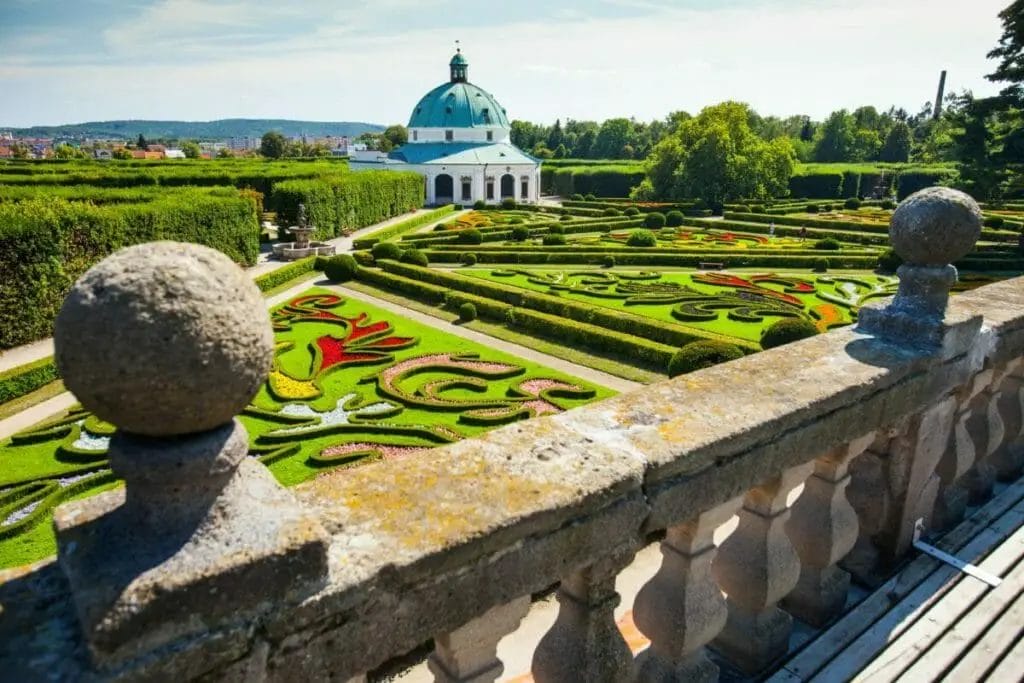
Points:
(199, 130)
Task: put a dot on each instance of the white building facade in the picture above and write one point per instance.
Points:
(460, 142)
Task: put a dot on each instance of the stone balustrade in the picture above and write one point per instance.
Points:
(821, 456)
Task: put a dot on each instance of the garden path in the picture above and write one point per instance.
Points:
(589, 374)
(20, 355)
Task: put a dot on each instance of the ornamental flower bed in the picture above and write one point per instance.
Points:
(350, 384)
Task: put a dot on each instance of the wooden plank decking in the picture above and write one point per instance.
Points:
(930, 622)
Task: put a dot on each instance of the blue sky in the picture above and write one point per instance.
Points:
(67, 61)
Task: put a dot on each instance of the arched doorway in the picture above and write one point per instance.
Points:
(444, 189)
(508, 186)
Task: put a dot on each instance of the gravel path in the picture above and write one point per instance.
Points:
(583, 372)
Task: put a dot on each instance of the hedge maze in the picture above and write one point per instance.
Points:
(350, 384)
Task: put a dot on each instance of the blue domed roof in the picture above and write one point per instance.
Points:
(458, 105)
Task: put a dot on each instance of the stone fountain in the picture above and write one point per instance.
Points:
(302, 246)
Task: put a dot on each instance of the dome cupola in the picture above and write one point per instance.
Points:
(459, 67)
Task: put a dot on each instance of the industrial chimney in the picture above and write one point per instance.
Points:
(938, 96)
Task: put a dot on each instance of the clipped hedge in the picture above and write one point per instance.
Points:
(702, 354)
(787, 330)
(402, 227)
(601, 181)
(601, 316)
(45, 245)
(339, 204)
(27, 378)
(276, 278)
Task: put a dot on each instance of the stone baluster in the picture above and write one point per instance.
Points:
(681, 609)
(585, 643)
(469, 654)
(757, 567)
(823, 528)
(169, 342)
(930, 230)
(1008, 458)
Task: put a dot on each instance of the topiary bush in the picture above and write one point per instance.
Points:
(520, 233)
(468, 259)
(577, 197)
(828, 244)
(642, 238)
(702, 354)
(508, 203)
(654, 220)
(608, 261)
(415, 257)
(470, 236)
(557, 229)
(386, 250)
(479, 204)
(467, 312)
(811, 208)
(552, 239)
(340, 268)
(610, 211)
(993, 221)
(888, 204)
(363, 258)
(631, 211)
(787, 330)
(889, 261)
(589, 197)
(821, 265)
(674, 219)
(852, 203)
(320, 262)
(565, 217)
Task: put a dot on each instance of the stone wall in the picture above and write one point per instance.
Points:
(904, 418)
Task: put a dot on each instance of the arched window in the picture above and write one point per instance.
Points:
(444, 189)
(508, 186)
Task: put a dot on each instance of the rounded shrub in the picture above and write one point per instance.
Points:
(889, 261)
(608, 261)
(520, 233)
(340, 268)
(757, 208)
(577, 197)
(674, 219)
(467, 312)
(631, 211)
(552, 239)
(642, 238)
(827, 207)
(828, 244)
(439, 227)
(888, 204)
(589, 197)
(470, 236)
(565, 217)
(479, 204)
(363, 258)
(320, 262)
(611, 211)
(468, 259)
(557, 229)
(821, 265)
(993, 221)
(415, 257)
(787, 330)
(508, 203)
(386, 250)
(515, 220)
(852, 203)
(811, 208)
(701, 354)
(654, 220)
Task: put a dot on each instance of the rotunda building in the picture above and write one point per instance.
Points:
(460, 142)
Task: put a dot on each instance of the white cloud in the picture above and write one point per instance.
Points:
(781, 57)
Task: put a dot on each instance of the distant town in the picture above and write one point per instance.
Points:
(13, 146)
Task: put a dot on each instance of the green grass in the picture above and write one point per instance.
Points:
(841, 298)
(618, 367)
(403, 424)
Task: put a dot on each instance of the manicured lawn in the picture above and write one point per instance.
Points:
(351, 384)
(738, 305)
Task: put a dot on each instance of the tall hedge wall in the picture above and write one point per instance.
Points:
(46, 244)
(601, 181)
(339, 204)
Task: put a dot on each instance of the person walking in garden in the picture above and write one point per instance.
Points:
(803, 232)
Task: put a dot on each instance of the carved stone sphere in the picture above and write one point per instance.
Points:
(164, 338)
(935, 226)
